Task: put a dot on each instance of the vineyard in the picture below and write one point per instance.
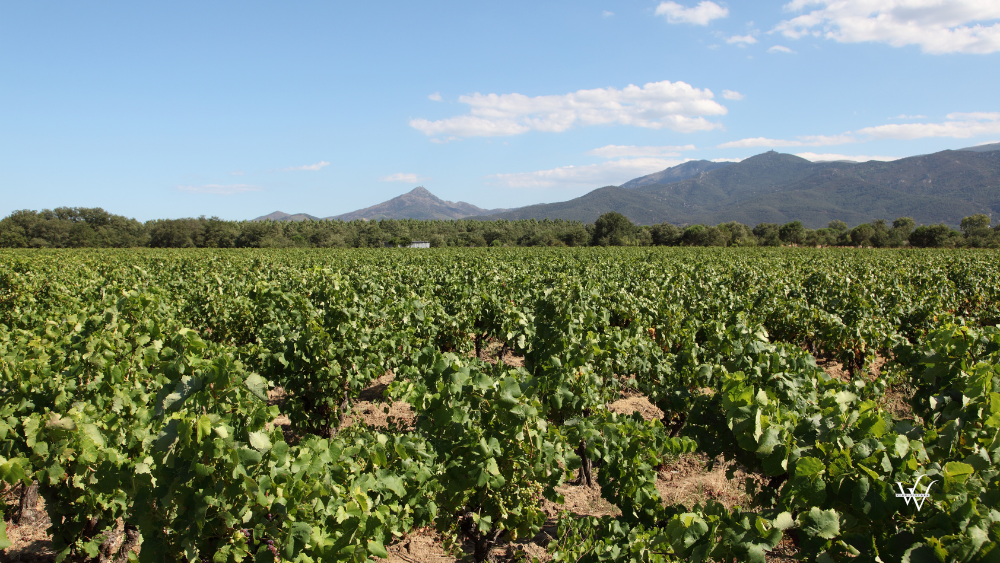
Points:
(202, 405)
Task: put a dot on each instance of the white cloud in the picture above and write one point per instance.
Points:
(975, 115)
(756, 142)
(607, 14)
(801, 141)
(701, 14)
(219, 189)
(236, 173)
(828, 157)
(435, 97)
(937, 26)
(728, 159)
(671, 105)
(618, 151)
(611, 173)
(409, 178)
(732, 95)
(904, 116)
(958, 125)
(743, 40)
(470, 126)
(310, 167)
(780, 49)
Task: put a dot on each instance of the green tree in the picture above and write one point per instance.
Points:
(975, 225)
(902, 227)
(977, 231)
(737, 233)
(613, 229)
(665, 234)
(905, 224)
(880, 238)
(862, 235)
(837, 225)
(792, 233)
(691, 235)
(174, 233)
(702, 235)
(574, 235)
(216, 233)
(767, 234)
(934, 236)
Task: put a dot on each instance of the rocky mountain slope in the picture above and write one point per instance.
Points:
(775, 188)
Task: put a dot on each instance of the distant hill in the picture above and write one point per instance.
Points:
(983, 148)
(641, 208)
(676, 173)
(777, 188)
(281, 216)
(418, 203)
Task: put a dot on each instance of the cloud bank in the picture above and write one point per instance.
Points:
(611, 173)
(658, 105)
(958, 125)
(936, 26)
(802, 141)
(619, 151)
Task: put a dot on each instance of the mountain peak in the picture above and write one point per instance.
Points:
(276, 216)
(282, 216)
(418, 203)
(775, 187)
(677, 173)
(775, 156)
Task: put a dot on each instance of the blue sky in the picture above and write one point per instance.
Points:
(164, 110)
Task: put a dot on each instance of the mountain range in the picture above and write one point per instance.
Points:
(676, 173)
(772, 187)
(418, 203)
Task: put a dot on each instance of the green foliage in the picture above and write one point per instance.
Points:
(769, 234)
(792, 233)
(934, 236)
(66, 227)
(613, 229)
(83, 227)
(497, 454)
(135, 385)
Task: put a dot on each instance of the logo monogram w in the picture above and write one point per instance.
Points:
(918, 498)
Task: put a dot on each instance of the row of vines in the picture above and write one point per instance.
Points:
(134, 392)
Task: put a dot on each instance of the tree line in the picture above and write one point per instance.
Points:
(81, 227)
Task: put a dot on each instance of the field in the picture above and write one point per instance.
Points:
(577, 405)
